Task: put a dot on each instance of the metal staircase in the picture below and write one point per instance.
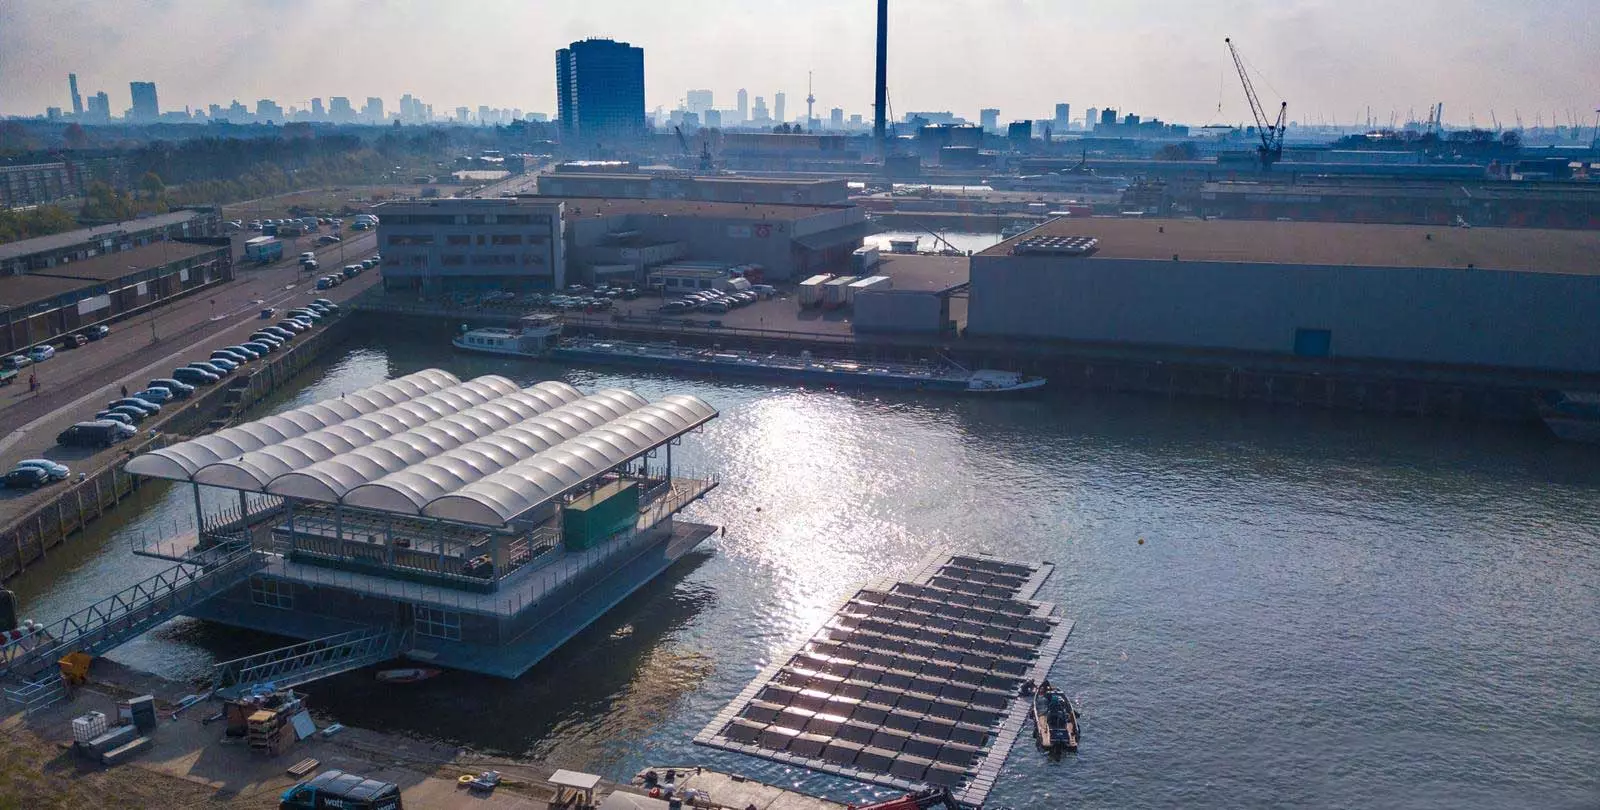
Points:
(124, 615)
(312, 660)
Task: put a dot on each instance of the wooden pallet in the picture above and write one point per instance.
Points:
(303, 767)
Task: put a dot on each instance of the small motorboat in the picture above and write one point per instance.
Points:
(407, 674)
(1055, 723)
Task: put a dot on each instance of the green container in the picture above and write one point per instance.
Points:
(599, 515)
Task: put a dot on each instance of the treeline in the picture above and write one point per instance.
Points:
(40, 221)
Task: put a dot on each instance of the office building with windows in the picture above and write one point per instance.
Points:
(145, 107)
(495, 244)
(600, 93)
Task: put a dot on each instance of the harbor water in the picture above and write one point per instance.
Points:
(1273, 607)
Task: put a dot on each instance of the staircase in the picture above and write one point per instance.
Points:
(124, 615)
(312, 660)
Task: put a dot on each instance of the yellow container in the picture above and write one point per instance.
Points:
(75, 667)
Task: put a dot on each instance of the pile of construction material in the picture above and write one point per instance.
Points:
(94, 737)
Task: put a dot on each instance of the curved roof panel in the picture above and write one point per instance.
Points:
(331, 478)
(416, 485)
(481, 451)
(496, 499)
(258, 468)
(182, 460)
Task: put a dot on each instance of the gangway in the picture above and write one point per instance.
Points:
(312, 660)
(130, 612)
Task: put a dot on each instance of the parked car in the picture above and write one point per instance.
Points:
(194, 376)
(303, 320)
(325, 302)
(158, 396)
(268, 337)
(225, 364)
(714, 307)
(16, 361)
(115, 416)
(244, 351)
(286, 334)
(26, 478)
(58, 472)
(307, 256)
(307, 312)
(674, 307)
(137, 415)
(261, 346)
(267, 313)
(212, 367)
(234, 356)
(325, 283)
(73, 341)
(150, 408)
(295, 323)
(179, 390)
(97, 331)
(328, 239)
(99, 433)
(41, 353)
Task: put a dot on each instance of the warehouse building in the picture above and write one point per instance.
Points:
(45, 252)
(1483, 204)
(503, 244)
(787, 241)
(44, 306)
(680, 186)
(927, 297)
(1475, 297)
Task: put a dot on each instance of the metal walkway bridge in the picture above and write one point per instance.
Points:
(312, 660)
(130, 612)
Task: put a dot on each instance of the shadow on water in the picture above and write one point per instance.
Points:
(585, 705)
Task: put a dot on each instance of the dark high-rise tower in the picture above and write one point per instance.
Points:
(881, 94)
(145, 108)
(77, 100)
(600, 93)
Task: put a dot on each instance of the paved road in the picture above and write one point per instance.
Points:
(79, 382)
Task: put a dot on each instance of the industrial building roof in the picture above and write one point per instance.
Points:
(110, 266)
(17, 291)
(1533, 250)
(580, 207)
(67, 239)
(480, 452)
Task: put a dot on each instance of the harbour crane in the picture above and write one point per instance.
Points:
(1271, 149)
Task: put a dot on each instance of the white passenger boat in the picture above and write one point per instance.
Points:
(534, 337)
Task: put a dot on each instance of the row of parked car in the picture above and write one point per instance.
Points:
(32, 473)
(121, 416)
(45, 351)
(309, 261)
(716, 301)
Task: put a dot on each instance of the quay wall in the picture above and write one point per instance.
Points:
(74, 504)
(1440, 391)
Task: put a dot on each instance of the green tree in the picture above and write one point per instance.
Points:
(151, 184)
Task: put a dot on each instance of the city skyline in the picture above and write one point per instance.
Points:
(1330, 61)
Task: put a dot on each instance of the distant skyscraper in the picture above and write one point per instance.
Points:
(77, 100)
(373, 112)
(744, 106)
(1063, 117)
(145, 107)
(339, 109)
(989, 119)
(98, 110)
(215, 112)
(52, 113)
(461, 115)
(317, 112)
(486, 116)
(836, 118)
(1108, 117)
(714, 118)
(698, 101)
(777, 108)
(268, 110)
(1089, 117)
(759, 115)
(600, 92)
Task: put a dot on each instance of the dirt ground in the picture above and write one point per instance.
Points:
(332, 200)
(36, 774)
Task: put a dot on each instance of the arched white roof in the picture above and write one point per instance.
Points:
(258, 468)
(415, 486)
(497, 498)
(481, 452)
(330, 479)
(182, 460)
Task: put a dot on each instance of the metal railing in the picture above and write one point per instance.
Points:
(313, 660)
(137, 608)
(35, 696)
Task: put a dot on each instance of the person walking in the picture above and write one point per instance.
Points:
(124, 392)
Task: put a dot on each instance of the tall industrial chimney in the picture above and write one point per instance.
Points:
(881, 98)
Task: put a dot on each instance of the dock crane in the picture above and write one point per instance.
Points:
(1271, 148)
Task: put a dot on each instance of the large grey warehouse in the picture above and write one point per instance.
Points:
(1486, 297)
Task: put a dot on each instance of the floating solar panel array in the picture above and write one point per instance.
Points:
(909, 684)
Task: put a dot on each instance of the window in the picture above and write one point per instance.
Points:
(453, 259)
(271, 593)
(474, 219)
(399, 239)
(506, 239)
(436, 623)
(458, 239)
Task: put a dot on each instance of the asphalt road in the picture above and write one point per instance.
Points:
(76, 383)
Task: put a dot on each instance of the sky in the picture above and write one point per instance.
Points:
(1330, 59)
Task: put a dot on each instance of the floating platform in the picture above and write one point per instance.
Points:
(910, 683)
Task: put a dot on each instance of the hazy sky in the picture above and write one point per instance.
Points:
(1329, 58)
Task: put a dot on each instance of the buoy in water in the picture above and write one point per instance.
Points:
(1141, 541)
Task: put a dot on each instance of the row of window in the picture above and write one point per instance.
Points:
(480, 259)
(462, 219)
(430, 622)
(458, 239)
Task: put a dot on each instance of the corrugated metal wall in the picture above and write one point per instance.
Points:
(1478, 317)
(899, 311)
